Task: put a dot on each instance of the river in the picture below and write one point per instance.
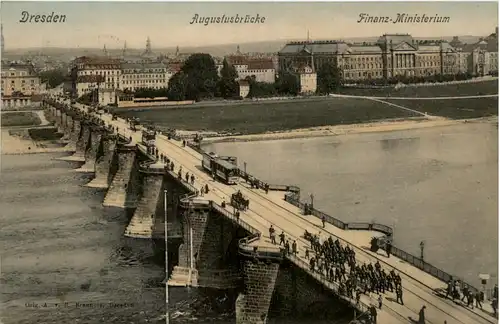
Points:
(60, 247)
(437, 185)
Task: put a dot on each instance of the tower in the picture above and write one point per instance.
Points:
(148, 46)
(177, 51)
(124, 48)
(104, 50)
(2, 40)
(238, 50)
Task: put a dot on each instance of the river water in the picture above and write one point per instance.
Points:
(60, 247)
(437, 185)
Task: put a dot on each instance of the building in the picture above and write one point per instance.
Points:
(244, 87)
(308, 80)
(393, 55)
(20, 79)
(145, 75)
(20, 83)
(89, 73)
(261, 68)
(480, 58)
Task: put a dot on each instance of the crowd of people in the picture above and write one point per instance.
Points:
(337, 263)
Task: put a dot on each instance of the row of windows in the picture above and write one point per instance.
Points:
(141, 81)
(144, 70)
(255, 71)
(22, 81)
(140, 76)
(23, 89)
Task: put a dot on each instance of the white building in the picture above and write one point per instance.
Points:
(244, 88)
(145, 75)
(95, 72)
(261, 68)
(107, 97)
(308, 80)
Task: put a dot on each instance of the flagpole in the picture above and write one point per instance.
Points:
(167, 315)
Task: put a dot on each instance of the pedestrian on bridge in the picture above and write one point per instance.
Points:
(192, 179)
(282, 238)
(379, 301)
(373, 314)
(294, 247)
(478, 298)
(323, 220)
(465, 292)
(272, 235)
(399, 295)
(421, 315)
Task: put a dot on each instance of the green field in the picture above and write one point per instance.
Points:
(20, 118)
(448, 90)
(453, 108)
(276, 116)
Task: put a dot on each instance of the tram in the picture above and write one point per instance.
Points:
(148, 137)
(223, 170)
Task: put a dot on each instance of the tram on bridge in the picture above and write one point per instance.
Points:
(239, 201)
(148, 137)
(221, 169)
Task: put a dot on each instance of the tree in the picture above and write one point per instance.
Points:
(53, 77)
(329, 78)
(228, 87)
(177, 86)
(201, 76)
(288, 84)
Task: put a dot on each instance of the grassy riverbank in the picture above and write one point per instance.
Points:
(455, 108)
(20, 118)
(446, 90)
(271, 117)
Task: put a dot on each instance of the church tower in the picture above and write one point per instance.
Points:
(148, 46)
(2, 40)
(124, 52)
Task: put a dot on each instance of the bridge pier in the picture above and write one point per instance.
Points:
(124, 188)
(142, 222)
(103, 175)
(204, 256)
(252, 305)
(68, 127)
(92, 150)
(73, 138)
(81, 143)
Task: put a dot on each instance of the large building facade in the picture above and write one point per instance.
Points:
(20, 84)
(20, 79)
(393, 55)
(261, 68)
(145, 75)
(91, 73)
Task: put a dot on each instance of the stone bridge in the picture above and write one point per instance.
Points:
(211, 247)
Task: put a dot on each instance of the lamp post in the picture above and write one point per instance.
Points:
(312, 200)
(167, 315)
(245, 167)
(422, 245)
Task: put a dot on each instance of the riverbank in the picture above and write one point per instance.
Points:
(15, 145)
(374, 127)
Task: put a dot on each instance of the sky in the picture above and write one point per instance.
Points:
(93, 24)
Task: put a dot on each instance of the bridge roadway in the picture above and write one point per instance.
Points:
(419, 288)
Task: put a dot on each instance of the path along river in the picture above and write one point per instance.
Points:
(437, 185)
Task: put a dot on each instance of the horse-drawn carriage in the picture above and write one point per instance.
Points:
(239, 202)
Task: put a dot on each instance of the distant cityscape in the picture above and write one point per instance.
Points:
(111, 73)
